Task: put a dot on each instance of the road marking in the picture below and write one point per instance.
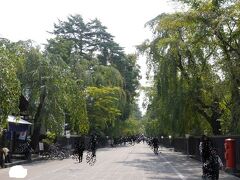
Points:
(173, 168)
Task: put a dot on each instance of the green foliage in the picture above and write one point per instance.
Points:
(82, 78)
(106, 76)
(130, 127)
(86, 45)
(103, 106)
(50, 75)
(187, 53)
(11, 60)
(50, 138)
(153, 128)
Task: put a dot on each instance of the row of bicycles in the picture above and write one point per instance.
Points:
(56, 152)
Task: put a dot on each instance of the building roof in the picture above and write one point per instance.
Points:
(13, 119)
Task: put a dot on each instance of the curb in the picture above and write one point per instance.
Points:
(7, 165)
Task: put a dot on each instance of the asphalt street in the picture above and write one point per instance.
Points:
(120, 163)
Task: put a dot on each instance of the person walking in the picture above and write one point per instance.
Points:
(2, 160)
(212, 166)
(80, 149)
(155, 143)
(93, 145)
(215, 164)
(28, 150)
(6, 154)
(205, 148)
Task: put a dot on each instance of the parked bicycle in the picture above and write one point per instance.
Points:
(55, 152)
(21, 148)
(91, 158)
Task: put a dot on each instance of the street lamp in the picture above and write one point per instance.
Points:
(68, 135)
(162, 142)
(187, 137)
(170, 140)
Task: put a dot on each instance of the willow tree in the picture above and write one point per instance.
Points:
(189, 90)
(220, 19)
(11, 63)
(52, 90)
(224, 24)
(107, 93)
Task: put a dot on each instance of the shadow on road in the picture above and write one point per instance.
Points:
(164, 166)
(167, 165)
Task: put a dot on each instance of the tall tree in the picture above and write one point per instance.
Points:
(11, 63)
(100, 49)
(52, 90)
(183, 53)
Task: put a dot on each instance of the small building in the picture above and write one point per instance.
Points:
(17, 131)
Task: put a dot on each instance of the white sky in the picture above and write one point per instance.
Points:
(125, 19)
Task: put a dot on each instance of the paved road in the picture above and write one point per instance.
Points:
(123, 163)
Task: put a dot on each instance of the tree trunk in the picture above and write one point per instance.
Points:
(212, 119)
(235, 109)
(38, 120)
(216, 115)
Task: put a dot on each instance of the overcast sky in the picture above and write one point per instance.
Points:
(125, 19)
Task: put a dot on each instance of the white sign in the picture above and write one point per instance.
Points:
(41, 147)
(22, 135)
(67, 134)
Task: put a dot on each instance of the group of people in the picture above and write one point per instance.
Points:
(80, 147)
(211, 162)
(123, 140)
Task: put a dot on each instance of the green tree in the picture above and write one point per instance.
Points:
(103, 107)
(99, 49)
(11, 61)
(52, 90)
(184, 56)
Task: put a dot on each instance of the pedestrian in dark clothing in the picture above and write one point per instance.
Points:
(2, 161)
(28, 150)
(93, 145)
(205, 148)
(212, 166)
(215, 164)
(155, 143)
(80, 149)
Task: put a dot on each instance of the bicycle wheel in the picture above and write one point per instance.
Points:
(88, 157)
(92, 161)
(60, 155)
(46, 155)
(74, 157)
